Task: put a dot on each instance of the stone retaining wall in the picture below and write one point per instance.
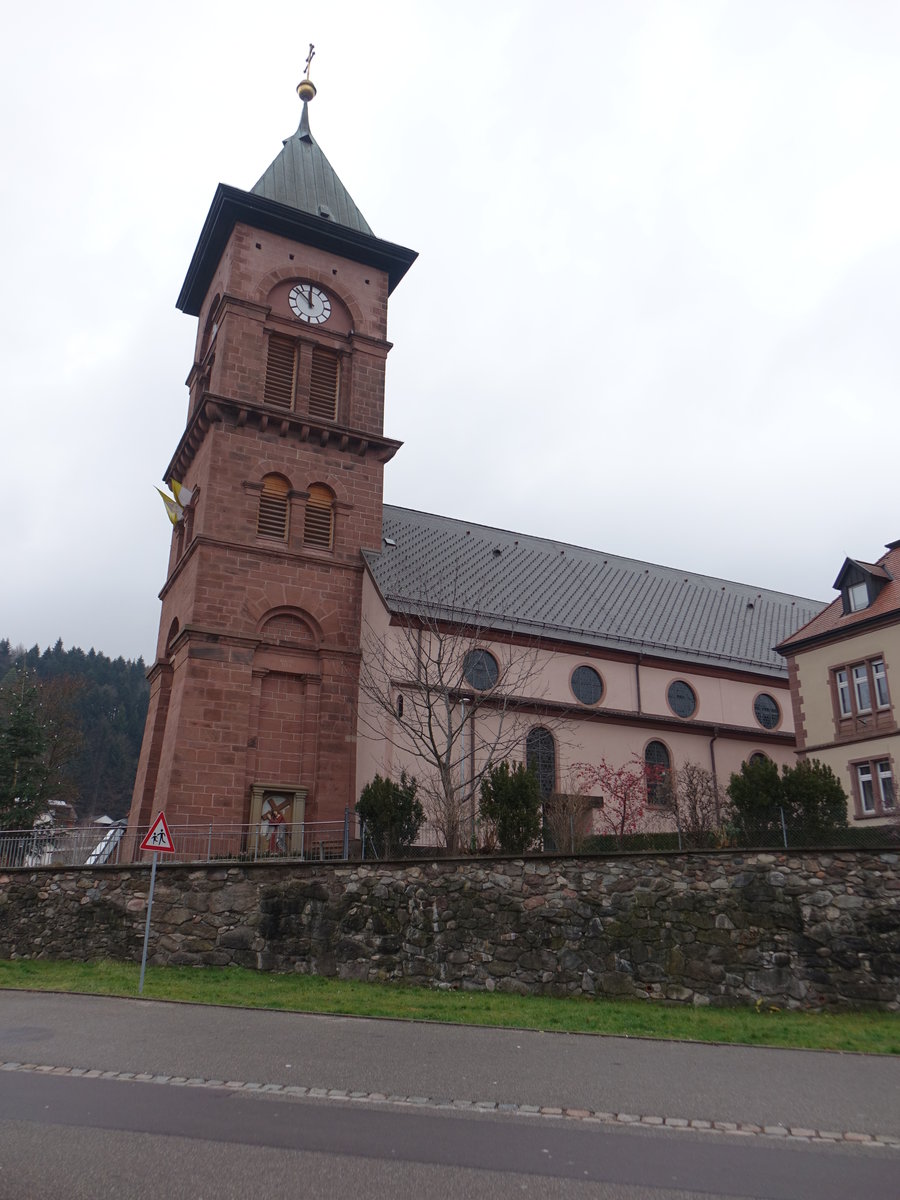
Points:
(794, 930)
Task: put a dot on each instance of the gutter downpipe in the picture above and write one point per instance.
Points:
(637, 681)
(715, 778)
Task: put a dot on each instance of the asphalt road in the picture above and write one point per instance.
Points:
(75, 1136)
(669, 1079)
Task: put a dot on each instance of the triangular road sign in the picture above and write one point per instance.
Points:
(159, 839)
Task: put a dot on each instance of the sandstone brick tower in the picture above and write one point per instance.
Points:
(253, 691)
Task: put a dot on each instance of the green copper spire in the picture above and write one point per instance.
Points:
(303, 178)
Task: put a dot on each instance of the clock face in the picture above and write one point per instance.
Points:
(309, 304)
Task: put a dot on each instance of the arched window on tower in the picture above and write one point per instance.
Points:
(272, 516)
(540, 757)
(318, 525)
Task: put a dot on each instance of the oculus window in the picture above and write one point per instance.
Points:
(766, 711)
(480, 670)
(682, 699)
(587, 686)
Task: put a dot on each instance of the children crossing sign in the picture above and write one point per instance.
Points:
(158, 839)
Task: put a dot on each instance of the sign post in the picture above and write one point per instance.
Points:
(159, 841)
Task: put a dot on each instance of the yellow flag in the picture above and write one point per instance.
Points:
(171, 507)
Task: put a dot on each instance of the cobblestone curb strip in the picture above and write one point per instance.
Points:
(585, 1115)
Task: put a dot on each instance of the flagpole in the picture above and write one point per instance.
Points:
(147, 925)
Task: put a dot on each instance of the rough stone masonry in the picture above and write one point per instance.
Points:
(797, 930)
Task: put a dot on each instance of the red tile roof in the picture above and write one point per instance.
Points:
(832, 622)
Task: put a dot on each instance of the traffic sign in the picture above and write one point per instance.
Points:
(159, 839)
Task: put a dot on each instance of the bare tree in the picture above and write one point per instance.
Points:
(568, 820)
(455, 698)
(691, 794)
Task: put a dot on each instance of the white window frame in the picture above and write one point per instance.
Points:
(866, 788)
(879, 679)
(862, 691)
(858, 595)
(843, 690)
(885, 783)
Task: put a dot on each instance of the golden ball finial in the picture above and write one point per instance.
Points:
(306, 89)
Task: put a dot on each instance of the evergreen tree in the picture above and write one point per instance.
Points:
(809, 796)
(392, 814)
(511, 801)
(24, 772)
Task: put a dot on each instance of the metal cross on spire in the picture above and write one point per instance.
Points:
(306, 89)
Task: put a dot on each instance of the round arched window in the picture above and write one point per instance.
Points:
(540, 756)
(480, 670)
(657, 764)
(682, 699)
(757, 757)
(587, 686)
(766, 711)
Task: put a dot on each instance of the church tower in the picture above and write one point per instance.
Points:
(253, 691)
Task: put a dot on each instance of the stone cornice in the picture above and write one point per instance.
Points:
(298, 427)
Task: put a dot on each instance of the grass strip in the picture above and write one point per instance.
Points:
(865, 1032)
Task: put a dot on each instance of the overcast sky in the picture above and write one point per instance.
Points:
(655, 309)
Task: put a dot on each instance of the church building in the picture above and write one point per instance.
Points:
(283, 679)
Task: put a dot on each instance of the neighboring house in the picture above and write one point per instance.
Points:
(844, 670)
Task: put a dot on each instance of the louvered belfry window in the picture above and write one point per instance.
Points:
(272, 518)
(318, 528)
(279, 388)
(323, 384)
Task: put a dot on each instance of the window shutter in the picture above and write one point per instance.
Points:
(279, 388)
(272, 518)
(323, 384)
(318, 528)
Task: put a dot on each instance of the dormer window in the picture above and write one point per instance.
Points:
(858, 596)
(859, 584)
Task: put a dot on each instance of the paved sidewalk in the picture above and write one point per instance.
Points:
(774, 1092)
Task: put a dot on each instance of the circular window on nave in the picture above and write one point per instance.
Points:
(480, 670)
(682, 699)
(587, 686)
(766, 711)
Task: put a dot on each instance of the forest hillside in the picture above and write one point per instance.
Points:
(94, 708)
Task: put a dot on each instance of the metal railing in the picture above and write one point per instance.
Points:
(321, 841)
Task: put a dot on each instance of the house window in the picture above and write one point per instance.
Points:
(766, 711)
(540, 757)
(294, 370)
(858, 596)
(843, 693)
(272, 514)
(587, 686)
(480, 670)
(879, 677)
(855, 689)
(875, 787)
(318, 523)
(861, 688)
(682, 699)
(657, 764)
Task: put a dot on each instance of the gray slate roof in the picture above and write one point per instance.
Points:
(539, 587)
(302, 177)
